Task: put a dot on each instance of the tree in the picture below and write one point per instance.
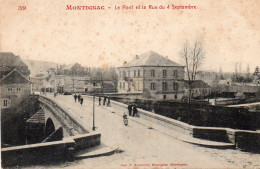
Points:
(193, 57)
(248, 72)
(221, 77)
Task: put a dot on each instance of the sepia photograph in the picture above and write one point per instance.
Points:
(130, 84)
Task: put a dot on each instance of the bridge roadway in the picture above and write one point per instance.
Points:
(141, 145)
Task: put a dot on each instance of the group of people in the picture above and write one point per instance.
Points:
(132, 109)
(106, 99)
(79, 98)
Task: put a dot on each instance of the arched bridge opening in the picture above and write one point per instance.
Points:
(49, 127)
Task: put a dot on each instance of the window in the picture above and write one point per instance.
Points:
(18, 89)
(176, 96)
(5, 103)
(128, 74)
(124, 74)
(123, 85)
(164, 97)
(138, 86)
(120, 86)
(134, 73)
(152, 86)
(175, 73)
(175, 86)
(164, 85)
(120, 74)
(152, 73)
(138, 73)
(164, 73)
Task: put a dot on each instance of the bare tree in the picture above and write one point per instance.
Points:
(193, 57)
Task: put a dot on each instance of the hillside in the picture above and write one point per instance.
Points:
(37, 66)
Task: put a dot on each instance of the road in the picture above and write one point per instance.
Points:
(141, 145)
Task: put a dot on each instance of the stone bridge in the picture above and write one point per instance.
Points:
(52, 134)
(56, 117)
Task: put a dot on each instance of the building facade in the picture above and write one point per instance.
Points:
(71, 78)
(151, 76)
(14, 89)
(14, 83)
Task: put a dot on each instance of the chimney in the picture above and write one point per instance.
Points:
(137, 57)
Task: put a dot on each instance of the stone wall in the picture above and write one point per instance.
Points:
(48, 153)
(200, 114)
(243, 139)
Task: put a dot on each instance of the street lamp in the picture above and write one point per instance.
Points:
(93, 128)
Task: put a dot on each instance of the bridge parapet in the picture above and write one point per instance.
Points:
(243, 139)
(69, 124)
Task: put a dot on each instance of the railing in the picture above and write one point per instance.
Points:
(71, 126)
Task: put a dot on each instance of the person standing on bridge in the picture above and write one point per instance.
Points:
(108, 102)
(75, 97)
(81, 101)
(99, 100)
(79, 96)
(134, 111)
(130, 109)
(104, 102)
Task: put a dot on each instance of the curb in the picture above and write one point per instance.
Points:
(98, 153)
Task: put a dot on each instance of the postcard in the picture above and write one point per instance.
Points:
(130, 83)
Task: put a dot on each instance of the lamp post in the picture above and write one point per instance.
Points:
(93, 128)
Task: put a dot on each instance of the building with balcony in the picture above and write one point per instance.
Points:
(151, 76)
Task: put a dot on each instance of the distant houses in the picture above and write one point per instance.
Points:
(148, 76)
(200, 89)
(66, 78)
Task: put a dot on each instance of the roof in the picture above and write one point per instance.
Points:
(14, 77)
(38, 117)
(196, 84)
(151, 58)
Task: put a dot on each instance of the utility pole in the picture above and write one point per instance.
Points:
(73, 84)
(93, 128)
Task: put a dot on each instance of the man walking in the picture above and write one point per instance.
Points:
(99, 100)
(75, 97)
(79, 96)
(129, 109)
(134, 111)
(108, 102)
(81, 101)
(104, 102)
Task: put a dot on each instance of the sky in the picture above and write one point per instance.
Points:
(46, 31)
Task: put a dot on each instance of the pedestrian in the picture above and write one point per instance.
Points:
(99, 100)
(108, 102)
(104, 102)
(81, 101)
(79, 96)
(130, 109)
(134, 111)
(75, 97)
